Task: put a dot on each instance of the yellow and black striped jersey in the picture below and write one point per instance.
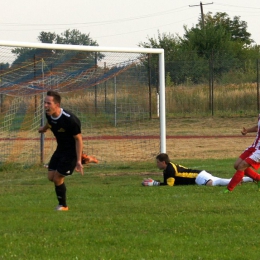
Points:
(176, 174)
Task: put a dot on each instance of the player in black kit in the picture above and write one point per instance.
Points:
(66, 127)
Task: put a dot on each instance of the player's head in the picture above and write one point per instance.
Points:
(162, 160)
(52, 103)
(56, 96)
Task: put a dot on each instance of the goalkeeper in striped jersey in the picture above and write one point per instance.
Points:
(175, 174)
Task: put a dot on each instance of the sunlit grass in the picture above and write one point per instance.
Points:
(112, 216)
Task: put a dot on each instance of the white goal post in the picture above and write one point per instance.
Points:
(81, 48)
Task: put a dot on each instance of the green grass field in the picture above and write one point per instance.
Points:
(112, 216)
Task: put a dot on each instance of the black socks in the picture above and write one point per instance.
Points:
(61, 194)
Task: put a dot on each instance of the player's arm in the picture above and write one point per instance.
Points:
(169, 181)
(150, 182)
(249, 130)
(168, 176)
(44, 128)
(79, 149)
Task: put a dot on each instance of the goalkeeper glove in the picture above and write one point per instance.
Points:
(150, 182)
(86, 159)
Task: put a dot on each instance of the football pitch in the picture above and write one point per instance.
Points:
(111, 216)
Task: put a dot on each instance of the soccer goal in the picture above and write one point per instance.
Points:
(114, 92)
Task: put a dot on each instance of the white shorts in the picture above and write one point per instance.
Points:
(203, 177)
(255, 156)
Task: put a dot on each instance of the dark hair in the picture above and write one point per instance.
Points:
(163, 157)
(56, 96)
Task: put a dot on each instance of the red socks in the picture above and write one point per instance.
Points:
(237, 178)
(252, 174)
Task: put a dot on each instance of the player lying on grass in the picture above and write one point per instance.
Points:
(175, 174)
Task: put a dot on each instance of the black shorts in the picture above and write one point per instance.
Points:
(62, 162)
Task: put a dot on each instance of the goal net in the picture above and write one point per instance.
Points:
(113, 91)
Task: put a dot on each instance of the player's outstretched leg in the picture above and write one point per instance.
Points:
(237, 178)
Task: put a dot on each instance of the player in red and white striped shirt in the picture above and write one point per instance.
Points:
(248, 160)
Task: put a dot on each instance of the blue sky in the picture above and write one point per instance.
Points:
(115, 23)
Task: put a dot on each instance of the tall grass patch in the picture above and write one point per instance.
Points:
(223, 100)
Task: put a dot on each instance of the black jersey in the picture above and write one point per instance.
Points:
(176, 174)
(64, 128)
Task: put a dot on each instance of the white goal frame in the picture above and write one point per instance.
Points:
(160, 52)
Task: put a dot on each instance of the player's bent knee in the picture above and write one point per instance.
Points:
(51, 175)
(50, 178)
(58, 179)
(209, 183)
(242, 166)
(236, 166)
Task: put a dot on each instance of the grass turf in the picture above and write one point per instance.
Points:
(112, 216)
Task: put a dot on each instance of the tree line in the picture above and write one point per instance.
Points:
(217, 43)
(221, 44)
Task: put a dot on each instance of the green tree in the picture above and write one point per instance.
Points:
(72, 63)
(47, 37)
(4, 66)
(236, 27)
(74, 37)
(173, 54)
(222, 44)
(212, 43)
(181, 63)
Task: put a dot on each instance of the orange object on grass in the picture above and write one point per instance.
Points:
(85, 159)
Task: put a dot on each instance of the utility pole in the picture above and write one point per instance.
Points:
(201, 10)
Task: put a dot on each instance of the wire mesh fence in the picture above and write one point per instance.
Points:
(115, 95)
(227, 89)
